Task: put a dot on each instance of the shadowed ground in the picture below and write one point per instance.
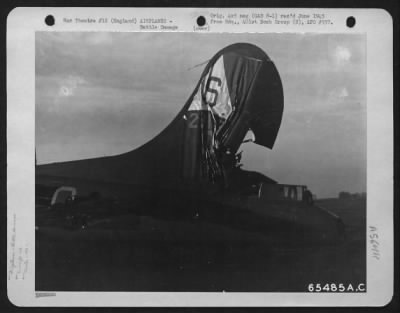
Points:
(132, 253)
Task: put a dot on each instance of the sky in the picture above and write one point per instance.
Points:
(100, 94)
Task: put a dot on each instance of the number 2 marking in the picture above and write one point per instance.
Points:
(193, 118)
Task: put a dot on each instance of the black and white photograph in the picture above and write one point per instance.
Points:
(186, 162)
(199, 157)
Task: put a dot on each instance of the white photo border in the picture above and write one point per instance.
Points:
(22, 23)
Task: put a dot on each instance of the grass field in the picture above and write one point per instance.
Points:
(197, 256)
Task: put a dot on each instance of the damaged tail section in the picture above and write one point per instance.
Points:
(239, 90)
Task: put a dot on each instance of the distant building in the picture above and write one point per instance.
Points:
(352, 196)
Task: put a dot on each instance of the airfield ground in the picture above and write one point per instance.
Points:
(198, 257)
